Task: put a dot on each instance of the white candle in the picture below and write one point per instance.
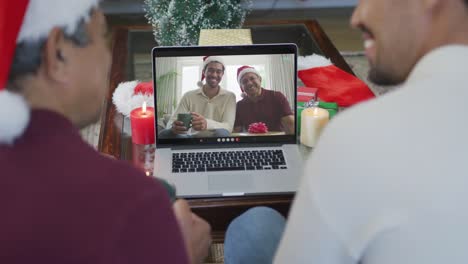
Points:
(313, 120)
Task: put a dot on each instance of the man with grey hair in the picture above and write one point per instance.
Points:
(387, 180)
(60, 200)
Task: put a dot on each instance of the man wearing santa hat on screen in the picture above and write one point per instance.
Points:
(261, 105)
(212, 108)
(60, 200)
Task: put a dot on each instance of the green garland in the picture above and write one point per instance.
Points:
(178, 22)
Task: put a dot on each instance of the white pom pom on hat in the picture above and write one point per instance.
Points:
(14, 116)
(29, 20)
(206, 60)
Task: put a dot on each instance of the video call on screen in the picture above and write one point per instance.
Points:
(264, 108)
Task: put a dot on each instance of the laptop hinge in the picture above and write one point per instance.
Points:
(263, 145)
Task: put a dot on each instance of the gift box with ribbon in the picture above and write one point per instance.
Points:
(306, 94)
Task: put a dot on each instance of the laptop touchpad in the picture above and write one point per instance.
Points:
(234, 182)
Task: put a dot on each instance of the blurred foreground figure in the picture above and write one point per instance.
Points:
(60, 200)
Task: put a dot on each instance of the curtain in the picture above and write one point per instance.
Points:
(166, 83)
(281, 71)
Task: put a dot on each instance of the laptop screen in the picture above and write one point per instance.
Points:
(225, 95)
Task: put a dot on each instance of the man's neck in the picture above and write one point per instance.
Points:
(211, 91)
(38, 95)
(257, 97)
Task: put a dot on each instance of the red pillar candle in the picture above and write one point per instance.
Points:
(142, 122)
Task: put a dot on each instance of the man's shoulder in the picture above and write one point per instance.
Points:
(243, 101)
(269, 92)
(225, 92)
(369, 124)
(276, 95)
(121, 174)
(194, 92)
(87, 168)
(118, 184)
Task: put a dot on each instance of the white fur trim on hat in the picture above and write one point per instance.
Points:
(205, 62)
(43, 15)
(14, 116)
(212, 59)
(244, 71)
(125, 100)
(312, 61)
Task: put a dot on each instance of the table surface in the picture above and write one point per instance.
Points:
(131, 46)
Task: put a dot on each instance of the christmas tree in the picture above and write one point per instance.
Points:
(178, 22)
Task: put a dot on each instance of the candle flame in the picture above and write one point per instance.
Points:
(148, 173)
(316, 112)
(144, 107)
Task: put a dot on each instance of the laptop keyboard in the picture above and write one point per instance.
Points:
(228, 161)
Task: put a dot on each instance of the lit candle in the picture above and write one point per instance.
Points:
(313, 120)
(142, 122)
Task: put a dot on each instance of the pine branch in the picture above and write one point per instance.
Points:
(178, 22)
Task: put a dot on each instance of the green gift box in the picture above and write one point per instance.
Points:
(331, 107)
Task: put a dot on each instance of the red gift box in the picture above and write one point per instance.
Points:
(305, 94)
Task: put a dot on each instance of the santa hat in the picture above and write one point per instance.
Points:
(241, 71)
(333, 84)
(29, 20)
(206, 60)
(130, 95)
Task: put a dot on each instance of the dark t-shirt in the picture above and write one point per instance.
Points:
(269, 109)
(63, 202)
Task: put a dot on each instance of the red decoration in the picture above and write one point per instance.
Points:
(142, 122)
(10, 25)
(144, 88)
(306, 94)
(258, 128)
(336, 85)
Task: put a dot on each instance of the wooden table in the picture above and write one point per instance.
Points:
(129, 41)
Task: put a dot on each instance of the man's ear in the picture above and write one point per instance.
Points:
(55, 56)
(430, 5)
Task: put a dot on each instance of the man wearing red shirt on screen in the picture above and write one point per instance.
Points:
(261, 105)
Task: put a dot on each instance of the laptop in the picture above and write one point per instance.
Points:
(249, 146)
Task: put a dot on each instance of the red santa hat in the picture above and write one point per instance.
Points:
(206, 60)
(241, 71)
(29, 20)
(130, 95)
(332, 83)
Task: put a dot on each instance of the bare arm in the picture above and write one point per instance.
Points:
(195, 231)
(237, 129)
(288, 124)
